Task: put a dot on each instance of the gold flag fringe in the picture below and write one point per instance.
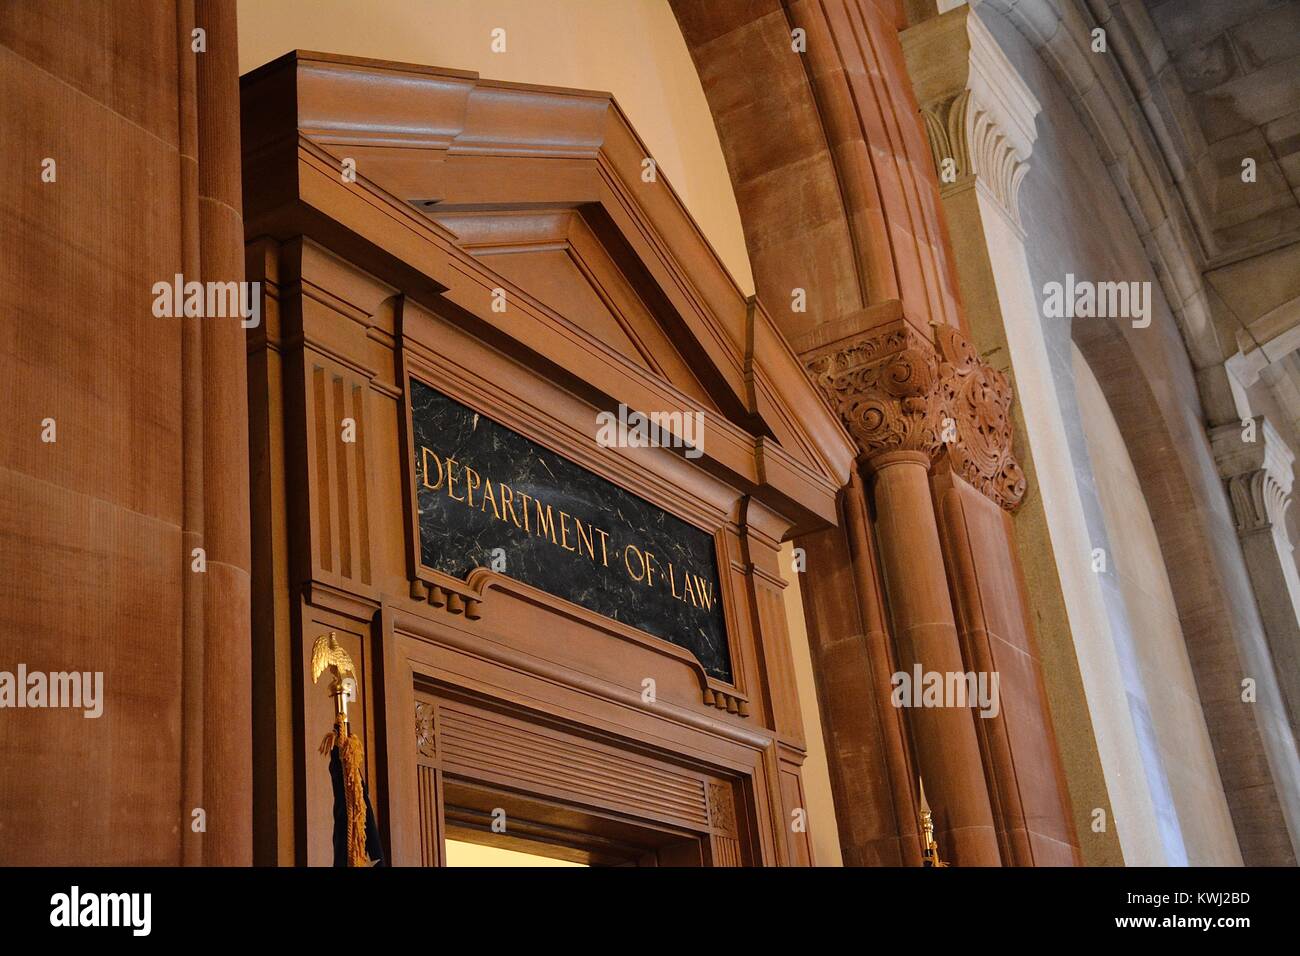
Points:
(351, 756)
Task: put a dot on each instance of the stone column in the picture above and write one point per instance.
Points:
(872, 775)
(227, 533)
(980, 121)
(844, 207)
(1257, 466)
(887, 384)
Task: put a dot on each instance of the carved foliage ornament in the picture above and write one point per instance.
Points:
(961, 130)
(896, 391)
(1259, 501)
(884, 389)
(722, 808)
(426, 739)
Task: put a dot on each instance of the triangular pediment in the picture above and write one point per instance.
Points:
(556, 255)
(537, 193)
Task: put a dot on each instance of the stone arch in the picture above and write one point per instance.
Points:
(1223, 639)
(1191, 818)
(832, 174)
(838, 194)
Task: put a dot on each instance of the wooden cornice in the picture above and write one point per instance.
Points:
(430, 142)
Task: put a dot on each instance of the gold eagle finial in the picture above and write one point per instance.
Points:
(326, 654)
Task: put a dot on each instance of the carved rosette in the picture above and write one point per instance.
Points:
(896, 391)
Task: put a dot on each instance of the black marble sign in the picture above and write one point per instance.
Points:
(490, 497)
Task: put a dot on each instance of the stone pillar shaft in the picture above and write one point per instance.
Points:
(947, 750)
(980, 119)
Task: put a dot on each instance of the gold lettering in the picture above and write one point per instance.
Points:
(640, 560)
(425, 454)
(508, 502)
(472, 481)
(487, 484)
(545, 522)
(451, 479)
(705, 590)
(591, 551)
(687, 590)
(640, 565)
(527, 498)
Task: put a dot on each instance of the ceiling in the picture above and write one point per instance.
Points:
(1238, 63)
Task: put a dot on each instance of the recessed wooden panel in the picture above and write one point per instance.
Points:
(339, 471)
(430, 835)
(483, 746)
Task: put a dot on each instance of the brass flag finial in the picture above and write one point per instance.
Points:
(327, 654)
(930, 849)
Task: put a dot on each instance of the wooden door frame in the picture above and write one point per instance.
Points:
(422, 665)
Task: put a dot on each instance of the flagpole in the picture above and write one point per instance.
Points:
(328, 655)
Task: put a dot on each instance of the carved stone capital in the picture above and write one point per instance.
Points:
(978, 112)
(896, 390)
(883, 384)
(1258, 473)
(977, 399)
(961, 130)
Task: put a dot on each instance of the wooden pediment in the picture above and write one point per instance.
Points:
(467, 188)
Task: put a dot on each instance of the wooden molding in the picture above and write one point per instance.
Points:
(465, 139)
(465, 187)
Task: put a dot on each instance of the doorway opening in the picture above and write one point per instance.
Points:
(489, 826)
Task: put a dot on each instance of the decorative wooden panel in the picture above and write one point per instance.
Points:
(722, 809)
(340, 484)
(430, 838)
(725, 840)
(490, 747)
(726, 851)
(426, 739)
